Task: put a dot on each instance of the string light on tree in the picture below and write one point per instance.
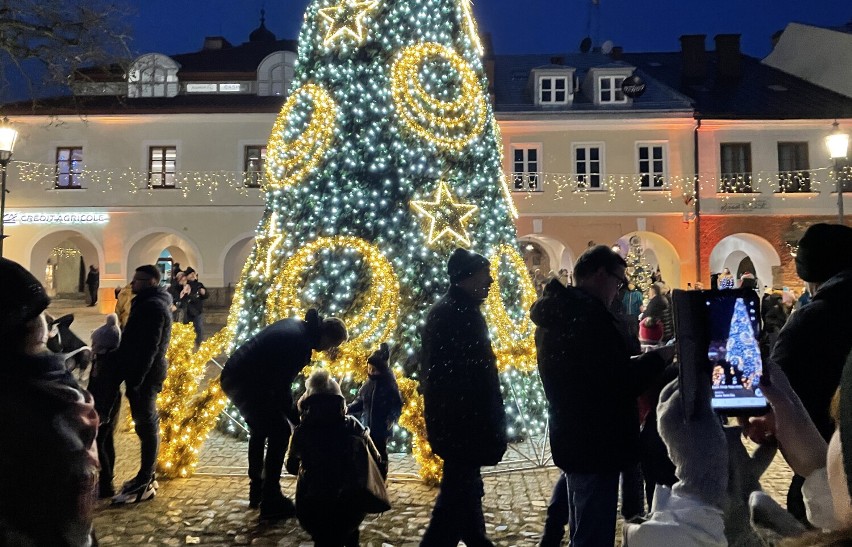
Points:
(447, 217)
(346, 21)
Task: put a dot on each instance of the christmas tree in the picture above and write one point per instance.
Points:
(385, 157)
(742, 349)
(638, 269)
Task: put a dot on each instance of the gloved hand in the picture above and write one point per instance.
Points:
(697, 447)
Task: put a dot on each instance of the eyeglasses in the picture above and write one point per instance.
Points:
(622, 282)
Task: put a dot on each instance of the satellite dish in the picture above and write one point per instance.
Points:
(586, 45)
(606, 47)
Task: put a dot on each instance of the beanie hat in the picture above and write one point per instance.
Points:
(320, 382)
(22, 297)
(463, 264)
(379, 358)
(824, 251)
(107, 337)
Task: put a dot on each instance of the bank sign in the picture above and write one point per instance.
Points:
(74, 217)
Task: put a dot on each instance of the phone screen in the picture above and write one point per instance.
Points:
(734, 352)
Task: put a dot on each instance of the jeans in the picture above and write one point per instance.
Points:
(458, 510)
(274, 436)
(592, 506)
(143, 409)
(557, 515)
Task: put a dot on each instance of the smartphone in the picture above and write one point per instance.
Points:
(718, 333)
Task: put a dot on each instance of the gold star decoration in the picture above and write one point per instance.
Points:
(447, 217)
(346, 20)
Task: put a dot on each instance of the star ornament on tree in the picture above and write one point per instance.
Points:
(447, 217)
(346, 20)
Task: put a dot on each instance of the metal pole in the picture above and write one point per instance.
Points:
(2, 207)
(836, 179)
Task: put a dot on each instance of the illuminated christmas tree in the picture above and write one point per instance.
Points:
(638, 269)
(385, 157)
(742, 349)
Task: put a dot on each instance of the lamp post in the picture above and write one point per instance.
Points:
(8, 136)
(838, 146)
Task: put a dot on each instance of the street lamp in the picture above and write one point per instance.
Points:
(8, 136)
(838, 146)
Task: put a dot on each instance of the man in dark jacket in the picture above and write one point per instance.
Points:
(813, 344)
(93, 281)
(258, 378)
(142, 357)
(194, 303)
(48, 461)
(591, 384)
(465, 418)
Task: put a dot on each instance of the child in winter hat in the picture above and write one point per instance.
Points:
(106, 337)
(22, 299)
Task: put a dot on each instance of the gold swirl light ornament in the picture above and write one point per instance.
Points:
(515, 340)
(289, 162)
(370, 324)
(450, 125)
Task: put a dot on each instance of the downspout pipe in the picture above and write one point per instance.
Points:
(697, 193)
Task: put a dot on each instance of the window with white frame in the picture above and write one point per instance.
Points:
(610, 89)
(254, 166)
(162, 165)
(526, 167)
(588, 165)
(553, 90)
(652, 165)
(69, 167)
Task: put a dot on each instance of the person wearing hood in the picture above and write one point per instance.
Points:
(378, 402)
(813, 344)
(463, 407)
(320, 455)
(594, 426)
(258, 378)
(49, 462)
(142, 358)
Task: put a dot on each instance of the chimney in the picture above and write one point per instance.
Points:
(693, 57)
(557, 60)
(616, 53)
(728, 58)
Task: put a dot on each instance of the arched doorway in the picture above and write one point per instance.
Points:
(235, 258)
(658, 253)
(558, 255)
(165, 249)
(58, 258)
(745, 252)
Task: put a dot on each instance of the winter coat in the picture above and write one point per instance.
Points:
(463, 407)
(48, 462)
(677, 520)
(93, 279)
(259, 374)
(632, 301)
(590, 381)
(813, 345)
(378, 403)
(122, 304)
(142, 352)
(195, 300)
(659, 309)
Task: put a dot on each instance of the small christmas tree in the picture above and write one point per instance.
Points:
(742, 349)
(638, 269)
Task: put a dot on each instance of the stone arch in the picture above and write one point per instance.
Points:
(44, 243)
(235, 256)
(731, 250)
(659, 249)
(559, 255)
(148, 245)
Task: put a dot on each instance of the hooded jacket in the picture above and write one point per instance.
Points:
(142, 352)
(463, 407)
(259, 374)
(590, 381)
(813, 345)
(48, 462)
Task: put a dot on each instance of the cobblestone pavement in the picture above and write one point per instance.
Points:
(211, 508)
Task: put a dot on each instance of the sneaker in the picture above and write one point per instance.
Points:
(133, 492)
(255, 494)
(278, 508)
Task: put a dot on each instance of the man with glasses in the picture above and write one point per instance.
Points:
(591, 383)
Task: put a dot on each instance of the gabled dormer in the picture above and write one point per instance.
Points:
(552, 85)
(602, 84)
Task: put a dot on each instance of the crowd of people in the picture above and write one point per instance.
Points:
(631, 436)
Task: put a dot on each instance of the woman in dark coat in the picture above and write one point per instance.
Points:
(378, 403)
(658, 310)
(319, 454)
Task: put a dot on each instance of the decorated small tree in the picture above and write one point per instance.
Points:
(638, 269)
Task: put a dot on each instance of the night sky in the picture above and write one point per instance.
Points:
(517, 26)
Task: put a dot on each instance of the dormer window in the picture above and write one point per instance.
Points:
(152, 75)
(610, 90)
(553, 90)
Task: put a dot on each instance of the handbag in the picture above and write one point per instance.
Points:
(364, 487)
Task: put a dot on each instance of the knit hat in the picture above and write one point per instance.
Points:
(320, 382)
(379, 358)
(824, 251)
(22, 297)
(463, 264)
(107, 337)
